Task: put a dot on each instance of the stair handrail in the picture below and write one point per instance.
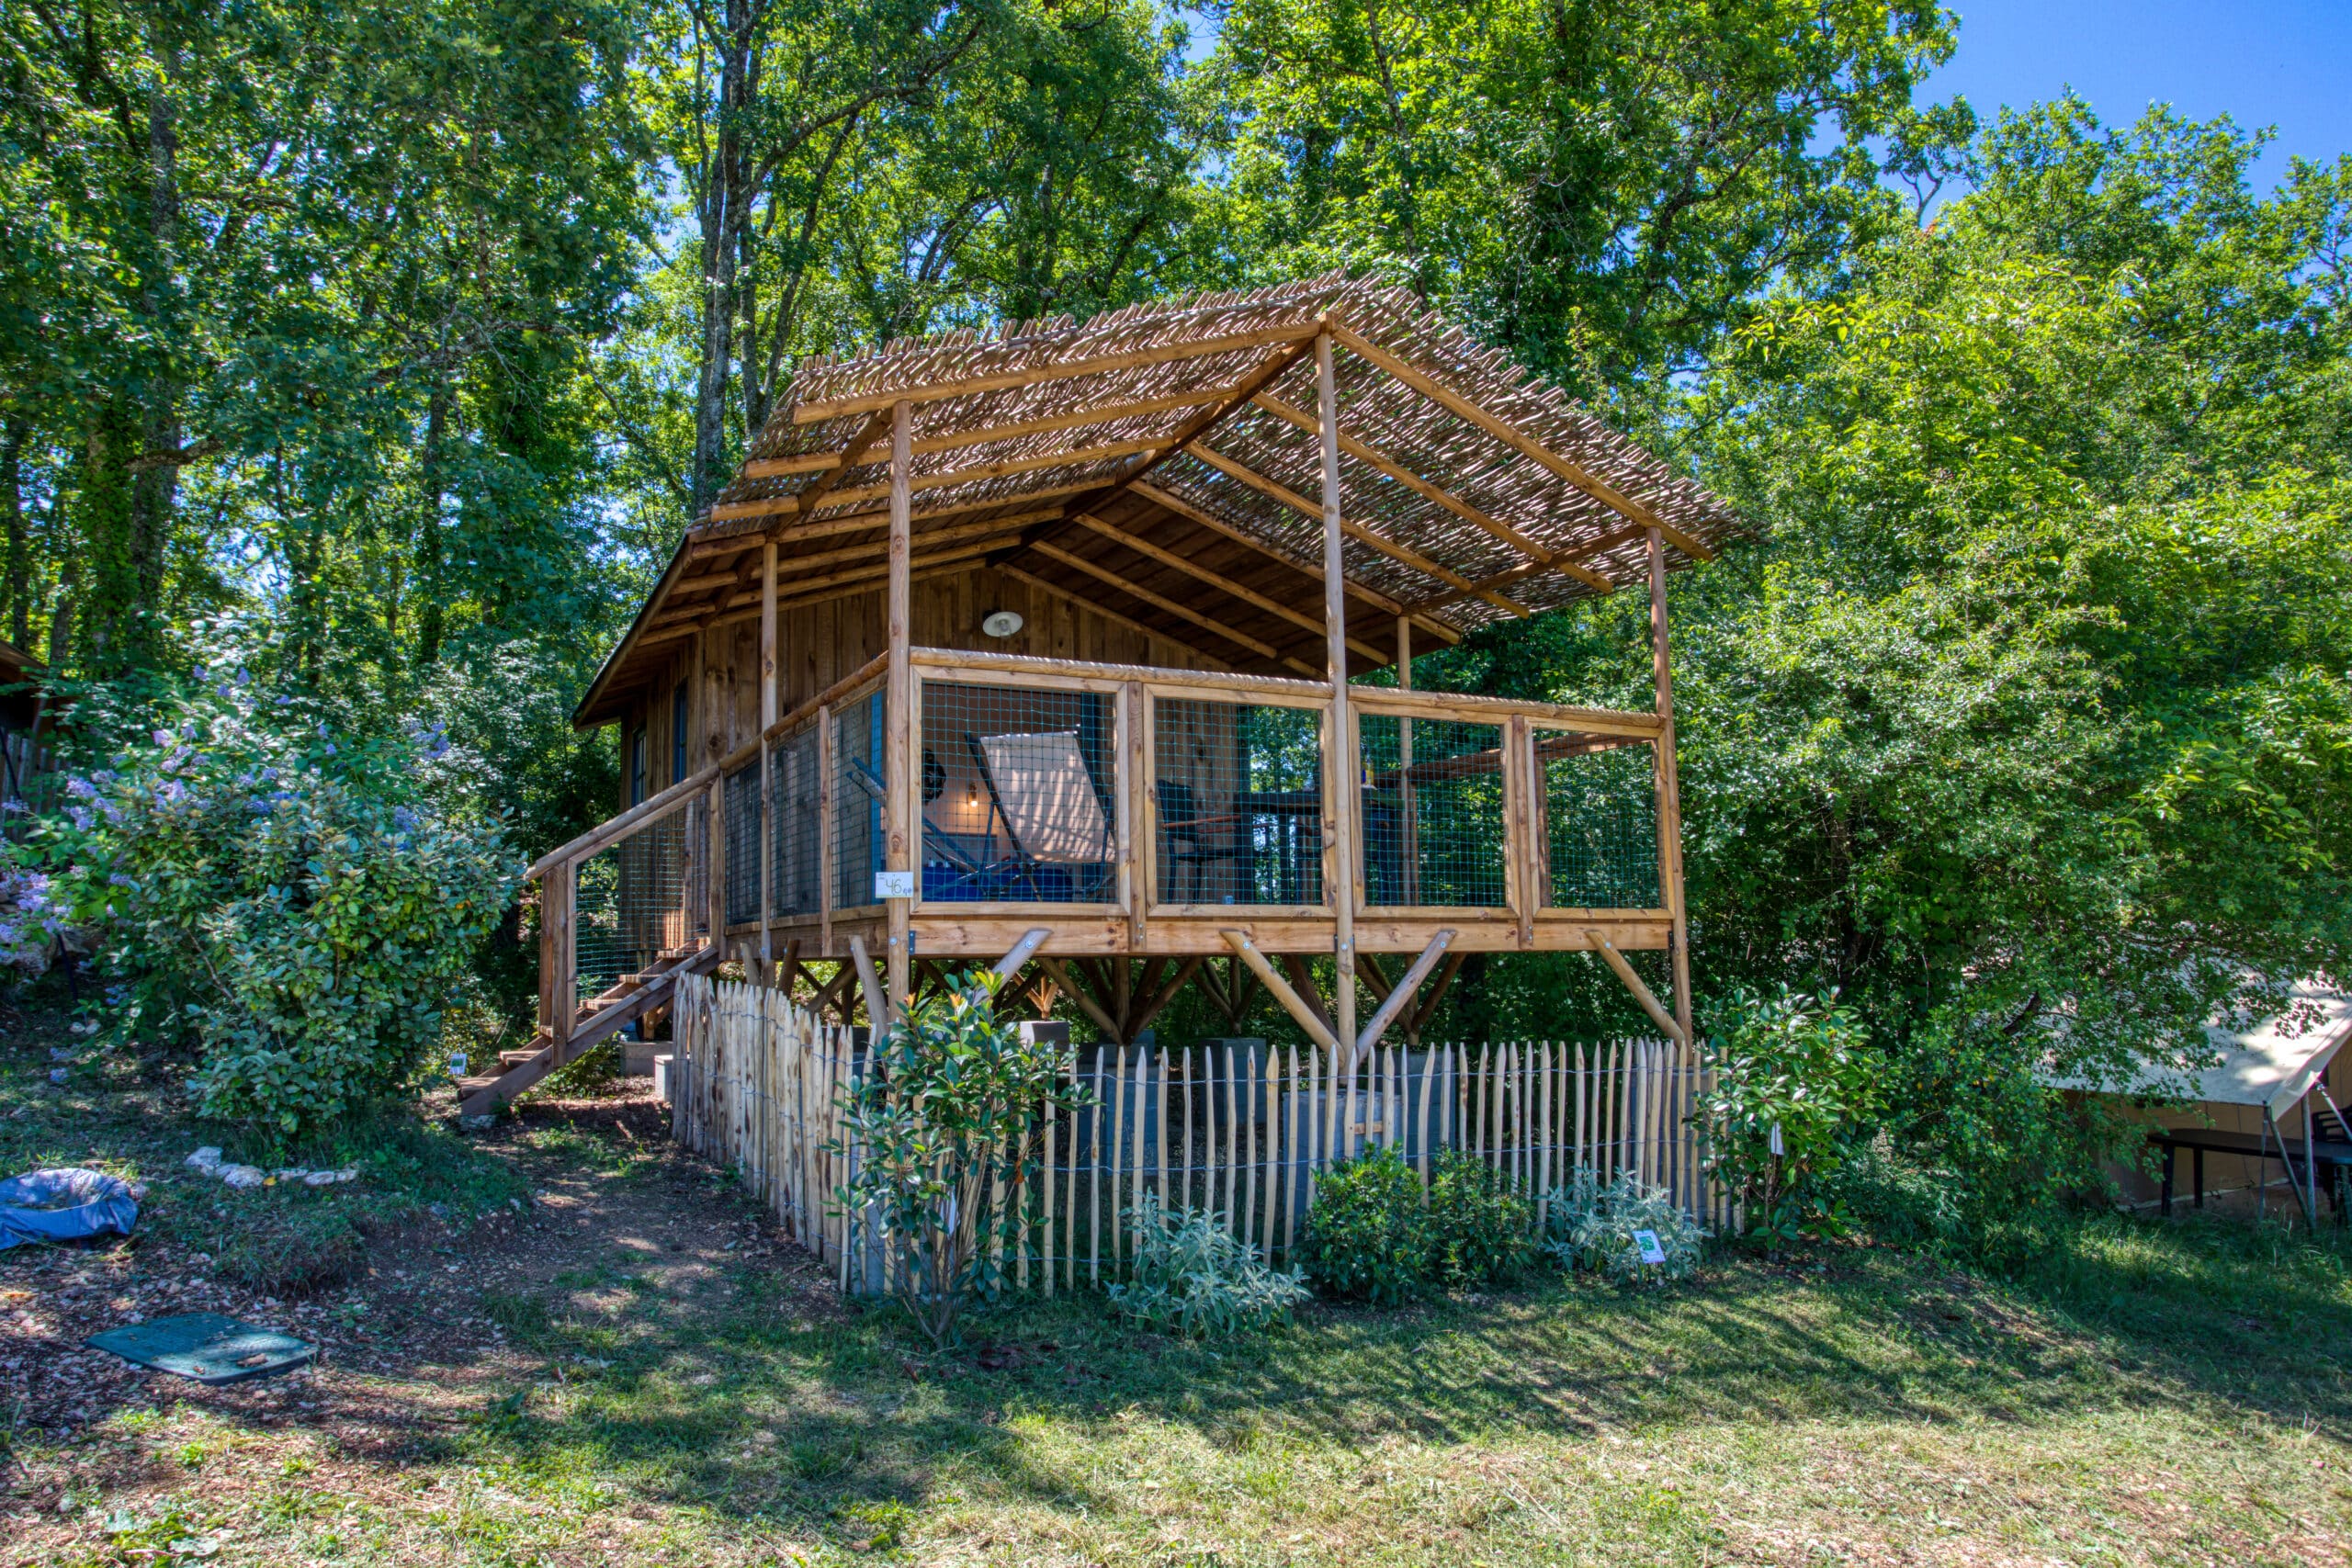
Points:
(616, 827)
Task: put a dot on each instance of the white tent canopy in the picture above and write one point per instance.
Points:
(2272, 1063)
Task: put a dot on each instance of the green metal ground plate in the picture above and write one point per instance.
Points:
(206, 1346)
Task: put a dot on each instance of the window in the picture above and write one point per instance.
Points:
(678, 716)
(637, 767)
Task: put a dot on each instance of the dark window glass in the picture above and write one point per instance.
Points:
(678, 713)
(637, 767)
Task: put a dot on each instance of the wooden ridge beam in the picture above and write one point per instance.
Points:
(1064, 371)
(1216, 524)
(1400, 554)
(1240, 590)
(1518, 440)
(1364, 452)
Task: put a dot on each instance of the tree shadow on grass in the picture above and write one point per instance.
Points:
(796, 1420)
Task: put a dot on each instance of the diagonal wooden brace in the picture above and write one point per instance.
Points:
(1022, 951)
(877, 1006)
(1401, 994)
(1293, 1003)
(1642, 993)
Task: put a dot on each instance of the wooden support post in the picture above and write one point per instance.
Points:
(825, 849)
(1412, 823)
(1342, 863)
(714, 857)
(1669, 793)
(877, 1006)
(559, 887)
(898, 753)
(767, 781)
(1401, 995)
(1031, 941)
(1308, 1019)
(1642, 993)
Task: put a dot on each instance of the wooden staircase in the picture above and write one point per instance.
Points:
(596, 1020)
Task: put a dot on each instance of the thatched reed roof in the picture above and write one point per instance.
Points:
(1169, 454)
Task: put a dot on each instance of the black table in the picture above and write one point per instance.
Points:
(2331, 1154)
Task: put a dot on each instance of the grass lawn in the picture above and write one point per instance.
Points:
(568, 1344)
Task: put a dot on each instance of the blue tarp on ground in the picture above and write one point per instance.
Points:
(64, 1205)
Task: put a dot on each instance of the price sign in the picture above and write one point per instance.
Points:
(894, 885)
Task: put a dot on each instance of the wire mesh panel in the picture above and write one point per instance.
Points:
(1600, 833)
(1018, 795)
(632, 902)
(1238, 793)
(795, 877)
(1432, 812)
(858, 790)
(744, 844)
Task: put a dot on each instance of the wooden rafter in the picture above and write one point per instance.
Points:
(1518, 440)
(1242, 591)
(989, 434)
(848, 522)
(1216, 524)
(1372, 456)
(1398, 553)
(947, 478)
(1182, 612)
(1065, 370)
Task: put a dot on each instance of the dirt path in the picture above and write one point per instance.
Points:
(409, 1354)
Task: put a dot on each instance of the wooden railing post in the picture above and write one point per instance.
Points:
(557, 891)
(715, 856)
(825, 846)
(546, 952)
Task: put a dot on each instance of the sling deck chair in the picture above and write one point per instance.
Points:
(1042, 791)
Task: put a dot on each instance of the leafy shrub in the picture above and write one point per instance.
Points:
(1590, 1228)
(947, 1108)
(1193, 1276)
(28, 923)
(1481, 1227)
(293, 902)
(1896, 1200)
(1789, 1084)
(1368, 1233)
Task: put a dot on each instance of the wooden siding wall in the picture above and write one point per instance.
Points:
(817, 644)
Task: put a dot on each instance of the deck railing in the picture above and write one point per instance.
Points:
(1055, 788)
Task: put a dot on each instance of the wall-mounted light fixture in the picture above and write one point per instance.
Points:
(1001, 623)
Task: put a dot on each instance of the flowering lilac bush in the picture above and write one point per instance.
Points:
(290, 902)
(28, 923)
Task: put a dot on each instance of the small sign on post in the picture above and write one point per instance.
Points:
(1646, 1242)
(894, 885)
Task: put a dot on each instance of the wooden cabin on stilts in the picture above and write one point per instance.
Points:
(1058, 651)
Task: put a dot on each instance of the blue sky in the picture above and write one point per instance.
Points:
(2283, 62)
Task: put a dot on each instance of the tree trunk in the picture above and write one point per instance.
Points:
(722, 214)
(429, 588)
(12, 496)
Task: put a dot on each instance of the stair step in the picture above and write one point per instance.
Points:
(515, 1059)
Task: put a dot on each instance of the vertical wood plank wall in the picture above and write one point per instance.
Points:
(1243, 1133)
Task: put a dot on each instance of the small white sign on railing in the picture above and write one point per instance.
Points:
(894, 885)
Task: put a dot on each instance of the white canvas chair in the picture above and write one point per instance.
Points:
(1044, 797)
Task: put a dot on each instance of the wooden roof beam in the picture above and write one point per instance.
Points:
(787, 504)
(854, 522)
(1357, 531)
(1364, 452)
(1003, 380)
(1518, 440)
(778, 467)
(1267, 372)
(1240, 590)
(1092, 606)
(1372, 596)
(1169, 606)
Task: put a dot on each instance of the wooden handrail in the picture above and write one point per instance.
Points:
(619, 827)
(832, 695)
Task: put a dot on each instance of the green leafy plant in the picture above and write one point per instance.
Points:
(1193, 1277)
(1590, 1228)
(1368, 1231)
(1789, 1084)
(290, 898)
(1481, 1226)
(1896, 1200)
(946, 1115)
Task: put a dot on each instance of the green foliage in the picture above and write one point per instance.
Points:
(1789, 1083)
(1368, 1235)
(1896, 1200)
(1192, 1276)
(1589, 1226)
(1481, 1226)
(948, 1110)
(287, 898)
